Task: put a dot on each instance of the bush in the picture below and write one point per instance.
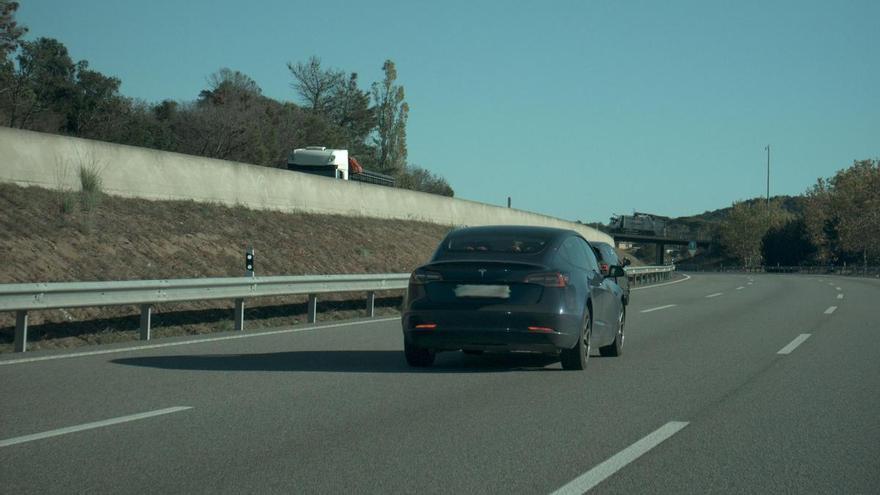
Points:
(419, 179)
(92, 187)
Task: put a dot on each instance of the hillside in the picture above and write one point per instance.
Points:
(50, 236)
(710, 219)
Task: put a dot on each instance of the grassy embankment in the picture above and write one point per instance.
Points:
(52, 236)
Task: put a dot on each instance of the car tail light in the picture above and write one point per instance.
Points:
(541, 329)
(548, 279)
(603, 267)
(420, 277)
(426, 326)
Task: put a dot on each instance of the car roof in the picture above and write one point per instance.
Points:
(514, 230)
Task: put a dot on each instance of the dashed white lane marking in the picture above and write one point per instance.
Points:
(840, 296)
(715, 294)
(686, 278)
(794, 343)
(740, 287)
(90, 426)
(194, 341)
(838, 288)
(749, 283)
(658, 308)
(830, 310)
(619, 460)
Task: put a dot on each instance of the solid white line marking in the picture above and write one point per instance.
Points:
(840, 296)
(830, 310)
(194, 341)
(618, 461)
(90, 426)
(685, 279)
(715, 294)
(658, 308)
(794, 343)
(740, 287)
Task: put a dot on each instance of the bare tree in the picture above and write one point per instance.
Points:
(315, 85)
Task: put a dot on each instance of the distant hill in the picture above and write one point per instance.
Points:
(708, 221)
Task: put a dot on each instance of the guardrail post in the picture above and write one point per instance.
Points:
(21, 320)
(371, 304)
(239, 314)
(146, 314)
(313, 308)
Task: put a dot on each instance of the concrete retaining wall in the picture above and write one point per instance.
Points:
(46, 160)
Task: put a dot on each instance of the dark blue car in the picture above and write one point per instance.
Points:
(512, 288)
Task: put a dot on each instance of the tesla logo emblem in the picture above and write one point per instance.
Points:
(482, 272)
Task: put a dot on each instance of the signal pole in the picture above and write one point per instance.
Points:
(768, 177)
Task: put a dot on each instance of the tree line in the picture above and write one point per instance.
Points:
(43, 89)
(836, 221)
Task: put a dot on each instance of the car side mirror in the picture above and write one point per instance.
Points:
(616, 271)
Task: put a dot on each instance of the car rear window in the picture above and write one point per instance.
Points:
(495, 243)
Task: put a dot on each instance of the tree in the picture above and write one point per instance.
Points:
(843, 213)
(315, 85)
(230, 86)
(349, 109)
(42, 86)
(10, 31)
(746, 225)
(391, 115)
(788, 244)
(94, 102)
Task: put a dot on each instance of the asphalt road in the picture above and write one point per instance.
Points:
(720, 394)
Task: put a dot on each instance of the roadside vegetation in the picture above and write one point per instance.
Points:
(129, 239)
(835, 222)
(43, 89)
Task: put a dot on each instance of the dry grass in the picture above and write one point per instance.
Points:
(127, 239)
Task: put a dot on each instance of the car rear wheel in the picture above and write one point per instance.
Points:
(616, 348)
(576, 357)
(418, 357)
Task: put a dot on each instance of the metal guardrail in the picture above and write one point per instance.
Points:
(645, 274)
(145, 293)
(848, 270)
(22, 298)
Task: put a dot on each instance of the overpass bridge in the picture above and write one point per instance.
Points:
(660, 241)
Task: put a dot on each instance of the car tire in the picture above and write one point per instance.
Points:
(616, 348)
(418, 357)
(576, 358)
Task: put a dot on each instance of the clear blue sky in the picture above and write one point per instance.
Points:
(576, 109)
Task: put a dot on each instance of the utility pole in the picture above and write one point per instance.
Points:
(768, 177)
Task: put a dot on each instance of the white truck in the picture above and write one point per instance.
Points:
(334, 163)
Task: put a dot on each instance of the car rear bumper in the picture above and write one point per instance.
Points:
(501, 332)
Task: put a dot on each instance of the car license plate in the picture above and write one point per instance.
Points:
(497, 291)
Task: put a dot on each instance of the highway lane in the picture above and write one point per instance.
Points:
(333, 410)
